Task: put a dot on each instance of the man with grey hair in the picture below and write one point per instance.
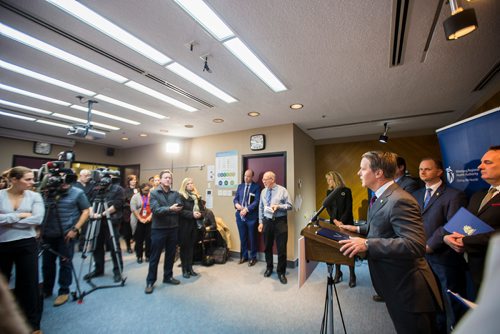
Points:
(395, 248)
(273, 207)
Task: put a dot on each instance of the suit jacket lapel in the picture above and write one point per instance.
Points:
(380, 202)
(439, 191)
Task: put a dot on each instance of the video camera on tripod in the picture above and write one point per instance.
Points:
(54, 177)
(103, 178)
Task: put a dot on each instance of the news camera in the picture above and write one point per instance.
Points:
(103, 178)
(54, 177)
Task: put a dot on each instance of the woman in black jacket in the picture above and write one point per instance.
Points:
(340, 212)
(191, 212)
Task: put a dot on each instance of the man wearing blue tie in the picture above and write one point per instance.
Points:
(438, 203)
(246, 202)
(273, 207)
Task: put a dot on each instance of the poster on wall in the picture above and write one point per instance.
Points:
(462, 146)
(226, 169)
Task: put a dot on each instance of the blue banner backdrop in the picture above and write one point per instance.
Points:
(462, 146)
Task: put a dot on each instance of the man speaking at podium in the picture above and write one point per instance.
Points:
(395, 248)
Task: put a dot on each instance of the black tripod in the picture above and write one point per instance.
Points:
(327, 323)
(51, 206)
(99, 207)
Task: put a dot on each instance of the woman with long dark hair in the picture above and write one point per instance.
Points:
(141, 217)
(21, 211)
(127, 229)
(340, 212)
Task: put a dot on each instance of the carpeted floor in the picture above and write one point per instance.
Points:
(227, 298)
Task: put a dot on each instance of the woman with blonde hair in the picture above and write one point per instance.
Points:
(192, 211)
(21, 211)
(340, 212)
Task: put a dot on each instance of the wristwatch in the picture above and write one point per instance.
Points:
(366, 243)
(75, 229)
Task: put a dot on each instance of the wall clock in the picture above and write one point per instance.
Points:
(257, 142)
(42, 148)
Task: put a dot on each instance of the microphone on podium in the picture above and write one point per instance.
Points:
(326, 203)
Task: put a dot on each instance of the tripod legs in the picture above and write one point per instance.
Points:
(327, 323)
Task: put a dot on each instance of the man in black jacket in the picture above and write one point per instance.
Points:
(165, 205)
(114, 197)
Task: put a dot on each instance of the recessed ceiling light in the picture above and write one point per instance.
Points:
(44, 78)
(129, 106)
(143, 135)
(200, 82)
(296, 106)
(218, 120)
(17, 116)
(163, 130)
(189, 126)
(250, 60)
(253, 114)
(22, 106)
(205, 16)
(112, 30)
(103, 114)
(58, 53)
(124, 138)
(34, 95)
(148, 91)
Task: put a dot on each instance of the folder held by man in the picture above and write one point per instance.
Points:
(464, 222)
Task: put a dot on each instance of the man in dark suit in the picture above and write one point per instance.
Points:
(406, 182)
(485, 204)
(246, 202)
(395, 248)
(438, 204)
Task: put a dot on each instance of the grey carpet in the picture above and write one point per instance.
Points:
(227, 298)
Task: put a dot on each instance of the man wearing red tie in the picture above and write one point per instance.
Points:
(485, 204)
(246, 202)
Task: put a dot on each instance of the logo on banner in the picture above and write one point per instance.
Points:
(450, 175)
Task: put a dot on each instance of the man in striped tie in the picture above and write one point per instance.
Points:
(485, 204)
(438, 203)
(274, 205)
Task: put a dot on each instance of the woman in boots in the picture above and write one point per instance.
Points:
(340, 212)
(190, 213)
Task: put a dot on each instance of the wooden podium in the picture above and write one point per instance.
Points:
(321, 249)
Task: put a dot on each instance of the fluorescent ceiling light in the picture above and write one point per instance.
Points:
(159, 96)
(100, 23)
(129, 106)
(58, 53)
(47, 79)
(59, 125)
(17, 116)
(207, 18)
(247, 57)
(84, 121)
(103, 114)
(34, 95)
(200, 82)
(22, 106)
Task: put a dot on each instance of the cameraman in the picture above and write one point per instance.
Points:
(67, 210)
(114, 196)
(85, 183)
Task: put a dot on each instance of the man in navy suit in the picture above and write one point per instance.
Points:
(438, 204)
(395, 248)
(485, 204)
(246, 203)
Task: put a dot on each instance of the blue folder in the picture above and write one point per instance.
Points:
(467, 224)
(331, 234)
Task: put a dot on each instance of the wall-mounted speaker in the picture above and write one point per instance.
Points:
(110, 151)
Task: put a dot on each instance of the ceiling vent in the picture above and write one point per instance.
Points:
(398, 31)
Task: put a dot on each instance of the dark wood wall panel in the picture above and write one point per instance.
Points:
(345, 158)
